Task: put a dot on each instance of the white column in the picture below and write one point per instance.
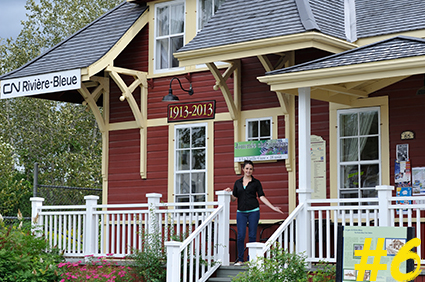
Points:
(36, 204)
(223, 235)
(173, 261)
(384, 194)
(89, 233)
(153, 220)
(255, 252)
(304, 235)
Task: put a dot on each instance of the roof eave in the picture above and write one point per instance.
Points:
(361, 72)
(264, 46)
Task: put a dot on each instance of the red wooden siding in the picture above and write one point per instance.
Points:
(407, 112)
(125, 183)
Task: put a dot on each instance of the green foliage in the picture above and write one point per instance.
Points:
(63, 138)
(325, 272)
(26, 257)
(282, 266)
(150, 263)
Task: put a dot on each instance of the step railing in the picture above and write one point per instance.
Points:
(323, 216)
(116, 230)
(200, 254)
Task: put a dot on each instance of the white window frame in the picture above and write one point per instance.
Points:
(177, 172)
(247, 121)
(156, 37)
(358, 162)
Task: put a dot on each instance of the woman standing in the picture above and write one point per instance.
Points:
(246, 190)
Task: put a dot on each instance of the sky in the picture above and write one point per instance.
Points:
(11, 14)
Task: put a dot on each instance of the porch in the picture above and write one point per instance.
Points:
(196, 235)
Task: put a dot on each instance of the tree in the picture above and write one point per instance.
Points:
(62, 137)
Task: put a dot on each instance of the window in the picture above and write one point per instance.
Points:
(359, 163)
(169, 33)
(191, 163)
(259, 129)
(207, 9)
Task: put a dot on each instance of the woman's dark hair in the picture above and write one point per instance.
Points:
(247, 162)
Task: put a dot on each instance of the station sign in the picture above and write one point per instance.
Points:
(40, 84)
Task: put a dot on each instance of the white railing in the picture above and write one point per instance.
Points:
(118, 231)
(197, 257)
(325, 215)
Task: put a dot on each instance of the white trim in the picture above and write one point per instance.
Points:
(176, 172)
(258, 119)
(358, 162)
(161, 5)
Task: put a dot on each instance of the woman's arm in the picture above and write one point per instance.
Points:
(230, 190)
(265, 201)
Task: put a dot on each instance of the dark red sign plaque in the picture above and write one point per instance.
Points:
(191, 111)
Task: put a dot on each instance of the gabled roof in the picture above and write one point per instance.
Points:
(343, 78)
(390, 49)
(86, 46)
(240, 21)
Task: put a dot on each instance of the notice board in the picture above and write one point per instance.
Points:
(351, 238)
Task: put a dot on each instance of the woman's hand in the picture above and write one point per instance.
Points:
(228, 189)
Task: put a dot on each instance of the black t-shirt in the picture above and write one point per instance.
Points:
(247, 198)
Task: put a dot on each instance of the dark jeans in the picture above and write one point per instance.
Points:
(242, 218)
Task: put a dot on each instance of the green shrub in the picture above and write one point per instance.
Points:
(282, 266)
(325, 272)
(26, 257)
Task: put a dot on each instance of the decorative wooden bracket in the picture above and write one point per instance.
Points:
(139, 113)
(233, 103)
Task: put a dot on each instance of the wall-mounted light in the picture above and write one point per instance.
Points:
(171, 97)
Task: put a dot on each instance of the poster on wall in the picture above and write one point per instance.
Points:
(402, 171)
(418, 181)
(402, 151)
(318, 167)
(275, 149)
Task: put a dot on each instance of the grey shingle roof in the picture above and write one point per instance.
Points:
(389, 49)
(240, 21)
(329, 15)
(86, 46)
(377, 17)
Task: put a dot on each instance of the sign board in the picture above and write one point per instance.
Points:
(191, 111)
(318, 167)
(353, 238)
(40, 84)
(275, 149)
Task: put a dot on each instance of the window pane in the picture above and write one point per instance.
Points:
(182, 199)
(369, 193)
(348, 125)
(183, 160)
(198, 135)
(265, 128)
(176, 44)
(199, 198)
(163, 21)
(369, 148)
(162, 53)
(177, 19)
(349, 176)
(217, 4)
(206, 12)
(368, 123)
(198, 159)
(349, 149)
(198, 183)
(253, 129)
(349, 194)
(182, 183)
(370, 175)
(183, 138)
